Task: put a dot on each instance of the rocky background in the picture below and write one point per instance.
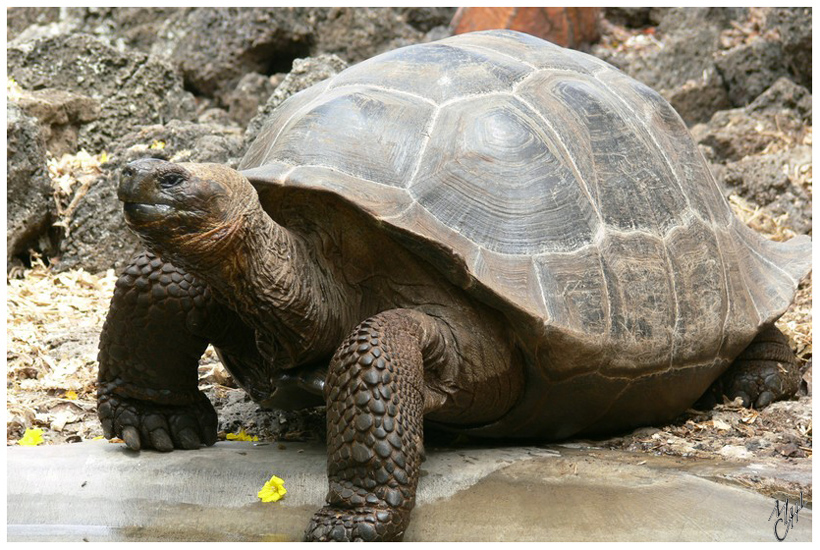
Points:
(91, 89)
(176, 83)
(194, 84)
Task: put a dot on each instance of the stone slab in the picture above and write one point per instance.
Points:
(98, 491)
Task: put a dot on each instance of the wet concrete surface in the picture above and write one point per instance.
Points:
(98, 491)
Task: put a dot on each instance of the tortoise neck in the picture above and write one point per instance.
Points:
(274, 282)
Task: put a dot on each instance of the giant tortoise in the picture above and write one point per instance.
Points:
(489, 233)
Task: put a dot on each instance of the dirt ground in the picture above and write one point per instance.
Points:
(54, 321)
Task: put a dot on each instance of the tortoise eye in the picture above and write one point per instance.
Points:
(171, 180)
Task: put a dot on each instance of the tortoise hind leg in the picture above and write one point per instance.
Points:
(375, 406)
(764, 372)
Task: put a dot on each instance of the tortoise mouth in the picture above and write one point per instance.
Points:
(143, 213)
(140, 212)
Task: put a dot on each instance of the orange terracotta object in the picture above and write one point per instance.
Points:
(568, 27)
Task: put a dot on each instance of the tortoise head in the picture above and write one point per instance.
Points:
(186, 210)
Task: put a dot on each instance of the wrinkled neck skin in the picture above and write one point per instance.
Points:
(269, 276)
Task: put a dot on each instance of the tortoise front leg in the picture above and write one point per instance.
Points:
(158, 326)
(375, 406)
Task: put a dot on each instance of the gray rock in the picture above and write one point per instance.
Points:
(736, 133)
(98, 238)
(633, 17)
(438, 33)
(427, 19)
(61, 114)
(130, 27)
(19, 19)
(681, 68)
(215, 47)
(132, 88)
(688, 66)
(769, 181)
(118, 27)
(749, 69)
(731, 135)
(784, 94)
(680, 19)
(356, 34)
(698, 99)
(794, 26)
(305, 73)
(685, 56)
(30, 206)
(218, 116)
(739, 144)
(238, 411)
(267, 40)
(252, 91)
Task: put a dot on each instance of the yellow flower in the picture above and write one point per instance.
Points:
(241, 436)
(158, 144)
(273, 490)
(32, 437)
(13, 90)
(70, 394)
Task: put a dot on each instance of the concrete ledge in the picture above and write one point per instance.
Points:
(98, 491)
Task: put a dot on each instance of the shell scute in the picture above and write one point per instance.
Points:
(347, 129)
(575, 291)
(437, 73)
(688, 174)
(503, 273)
(499, 182)
(642, 299)
(698, 274)
(533, 51)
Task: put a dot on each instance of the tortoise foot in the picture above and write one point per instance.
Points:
(757, 386)
(766, 371)
(356, 524)
(148, 425)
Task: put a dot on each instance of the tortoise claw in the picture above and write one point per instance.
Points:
(188, 439)
(161, 441)
(764, 399)
(107, 420)
(131, 436)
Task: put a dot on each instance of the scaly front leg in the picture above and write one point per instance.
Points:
(375, 406)
(159, 324)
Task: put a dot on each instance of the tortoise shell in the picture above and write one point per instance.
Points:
(549, 185)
